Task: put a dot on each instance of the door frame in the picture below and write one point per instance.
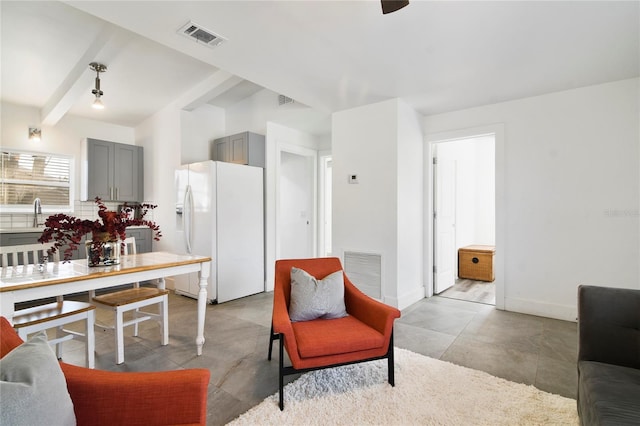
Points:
(324, 157)
(312, 156)
(497, 130)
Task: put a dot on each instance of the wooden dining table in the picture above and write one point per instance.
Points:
(32, 282)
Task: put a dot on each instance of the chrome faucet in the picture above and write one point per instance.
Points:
(37, 210)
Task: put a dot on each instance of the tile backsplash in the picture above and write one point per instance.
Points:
(82, 210)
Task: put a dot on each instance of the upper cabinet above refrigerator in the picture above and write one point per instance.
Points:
(243, 148)
(112, 171)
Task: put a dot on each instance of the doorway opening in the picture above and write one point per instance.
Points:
(464, 214)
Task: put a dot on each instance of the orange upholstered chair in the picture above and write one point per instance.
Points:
(365, 334)
(116, 398)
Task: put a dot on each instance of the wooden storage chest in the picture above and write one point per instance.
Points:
(476, 262)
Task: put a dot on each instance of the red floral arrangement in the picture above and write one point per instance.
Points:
(68, 231)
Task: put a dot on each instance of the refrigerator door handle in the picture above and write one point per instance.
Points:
(187, 218)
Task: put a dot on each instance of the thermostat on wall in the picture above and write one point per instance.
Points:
(353, 178)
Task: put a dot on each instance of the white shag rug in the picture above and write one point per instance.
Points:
(427, 392)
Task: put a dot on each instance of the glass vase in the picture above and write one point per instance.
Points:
(102, 250)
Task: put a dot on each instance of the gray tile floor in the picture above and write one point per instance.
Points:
(522, 348)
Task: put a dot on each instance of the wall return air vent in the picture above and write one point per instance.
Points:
(200, 34)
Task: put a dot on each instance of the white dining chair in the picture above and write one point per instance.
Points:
(28, 259)
(132, 299)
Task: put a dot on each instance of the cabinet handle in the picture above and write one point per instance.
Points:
(111, 192)
(117, 193)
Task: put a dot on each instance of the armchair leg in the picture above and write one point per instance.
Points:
(281, 372)
(390, 362)
(272, 337)
(279, 337)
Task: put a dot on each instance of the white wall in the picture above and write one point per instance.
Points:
(485, 194)
(382, 144)
(198, 130)
(572, 192)
(160, 135)
(323, 143)
(410, 209)
(364, 214)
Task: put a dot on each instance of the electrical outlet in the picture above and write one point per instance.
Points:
(353, 178)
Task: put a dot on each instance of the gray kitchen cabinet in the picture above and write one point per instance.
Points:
(19, 238)
(144, 238)
(114, 171)
(243, 148)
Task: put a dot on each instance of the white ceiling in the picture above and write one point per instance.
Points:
(330, 55)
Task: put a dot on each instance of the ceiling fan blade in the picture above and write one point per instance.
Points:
(389, 6)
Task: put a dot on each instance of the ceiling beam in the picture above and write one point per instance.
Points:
(218, 83)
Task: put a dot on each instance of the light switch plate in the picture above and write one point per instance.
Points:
(353, 178)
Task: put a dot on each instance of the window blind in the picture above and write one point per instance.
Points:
(27, 176)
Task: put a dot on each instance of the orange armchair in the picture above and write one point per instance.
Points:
(113, 398)
(366, 334)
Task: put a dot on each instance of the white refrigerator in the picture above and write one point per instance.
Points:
(220, 213)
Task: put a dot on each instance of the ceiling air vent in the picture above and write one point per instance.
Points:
(200, 34)
(283, 100)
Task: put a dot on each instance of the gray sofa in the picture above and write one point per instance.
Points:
(608, 356)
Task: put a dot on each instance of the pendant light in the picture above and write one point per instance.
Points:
(98, 68)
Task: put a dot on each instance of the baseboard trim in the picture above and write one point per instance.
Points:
(406, 299)
(541, 309)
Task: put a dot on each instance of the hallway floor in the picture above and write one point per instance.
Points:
(522, 348)
(472, 291)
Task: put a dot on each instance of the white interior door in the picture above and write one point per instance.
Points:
(444, 225)
(296, 206)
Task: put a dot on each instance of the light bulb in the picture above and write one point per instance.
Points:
(97, 104)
